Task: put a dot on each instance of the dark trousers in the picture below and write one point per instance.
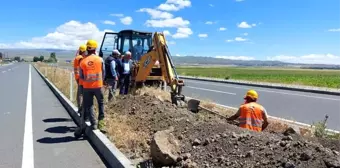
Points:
(112, 88)
(88, 95)
(79, 97)
(124, 82)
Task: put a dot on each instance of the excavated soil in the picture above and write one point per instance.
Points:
(206, 140)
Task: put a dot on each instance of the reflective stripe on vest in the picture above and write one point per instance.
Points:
(92, 72)
(251, 116)
(93, 77)
(250, 121)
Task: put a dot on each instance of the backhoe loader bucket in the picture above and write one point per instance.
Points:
(193, 105)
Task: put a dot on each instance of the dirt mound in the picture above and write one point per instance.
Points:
(206, 140)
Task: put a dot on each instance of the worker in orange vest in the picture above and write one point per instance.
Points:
(76, 62)
(92, 73)
(251, 115)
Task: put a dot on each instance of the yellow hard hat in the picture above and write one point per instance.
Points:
(252, 94)
(82, 48)
(91, 44)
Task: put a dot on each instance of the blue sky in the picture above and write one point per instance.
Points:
(303, 30)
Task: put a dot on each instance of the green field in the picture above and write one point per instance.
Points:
(319, 78)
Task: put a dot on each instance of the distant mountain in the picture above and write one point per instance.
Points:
(178, 60)
(62, 54)
(201, 60)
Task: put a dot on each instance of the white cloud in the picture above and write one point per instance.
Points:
(161, 19)
(126, 20)
(222, 29)
(334, 30)
(239, 39)
(202, 35)
(309, 59)
(108, 22)
(239, 0)
(174, 5)
(236, 57)
(66, 36)
(211, 5)
(173, 22)
(156, 14)
(245, 25)
(117, 14)
(245, 34)
(166, 33)
(182, 32)
(209, 22)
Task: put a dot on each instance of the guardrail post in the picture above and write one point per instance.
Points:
(71, 86)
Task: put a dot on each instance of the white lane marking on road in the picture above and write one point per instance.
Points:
(263, 90)
(218, 91)
(3, 71)
(28, 151)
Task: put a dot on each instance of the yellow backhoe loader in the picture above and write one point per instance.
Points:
(151, 57)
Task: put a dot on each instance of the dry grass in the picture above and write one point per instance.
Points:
(121, 133)
(118, 126)
(60, 78)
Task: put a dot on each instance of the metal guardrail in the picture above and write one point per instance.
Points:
(271, 85)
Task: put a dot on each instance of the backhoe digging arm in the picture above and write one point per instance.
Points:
(161, 53)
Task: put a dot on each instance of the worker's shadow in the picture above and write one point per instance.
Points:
(59, 130)
(52, 140)
(52, 120)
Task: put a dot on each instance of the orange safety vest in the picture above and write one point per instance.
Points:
(251, 116)
(76, 67)
(92, 72)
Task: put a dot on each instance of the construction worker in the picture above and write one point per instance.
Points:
(125, 73)
(92, 70)
(80, 53)
(251, 115)
(111, 77)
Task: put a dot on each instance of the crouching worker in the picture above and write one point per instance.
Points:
(251, 115)
(92, 73)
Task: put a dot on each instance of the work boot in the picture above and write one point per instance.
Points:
(93, 126)
(101, 124)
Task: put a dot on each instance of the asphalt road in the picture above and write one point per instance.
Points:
(35, 129)
(298, 106)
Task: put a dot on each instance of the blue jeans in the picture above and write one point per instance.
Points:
(112, 88)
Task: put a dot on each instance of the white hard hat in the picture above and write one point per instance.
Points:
(115, 51)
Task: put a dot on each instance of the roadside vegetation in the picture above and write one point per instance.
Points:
(132, 121)
(308, 77)
(61, 78)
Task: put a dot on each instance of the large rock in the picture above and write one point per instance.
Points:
(164, 148)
